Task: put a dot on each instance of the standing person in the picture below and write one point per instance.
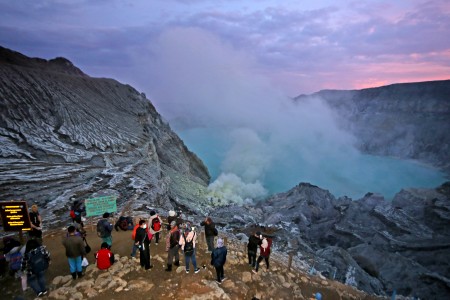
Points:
(36, 224)
(187, 243)
(104, 257)
(172, 246)
(155, 223)
(104, 229)
(142, 241)
(264, 253)
(210, 232)
(252, 248)
(133, 237)
(218, 260)
(75, 252)
(35, 262)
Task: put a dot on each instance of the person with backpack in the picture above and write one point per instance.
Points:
(75, 251)
(187, 243)
(155, 225)
(104, 257)
(210, 233)
(172, 246)
(76, 211)
(104, 229)
(35, 262)
(143, 242)
(252, 248)
(264, 253)
(218, 260)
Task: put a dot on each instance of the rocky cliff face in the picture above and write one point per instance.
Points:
(66, 135)
(409, 120)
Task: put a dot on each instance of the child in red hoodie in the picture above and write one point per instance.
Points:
(104, 257)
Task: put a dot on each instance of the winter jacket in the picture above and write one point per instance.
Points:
(142, 237)
(74, 246)
(253, 243)
(209, 228)
(264, 248)
(25, 259)
(103, 257)
(219, 256)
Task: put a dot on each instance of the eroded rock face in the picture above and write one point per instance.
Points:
(64, 134)
(408, 120)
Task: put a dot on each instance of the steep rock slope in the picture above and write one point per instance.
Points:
(409, 120)
(66, 135)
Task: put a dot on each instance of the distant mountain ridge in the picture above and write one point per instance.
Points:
(66, 135)
(407, 120)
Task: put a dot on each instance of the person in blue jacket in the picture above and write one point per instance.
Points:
(218, 259)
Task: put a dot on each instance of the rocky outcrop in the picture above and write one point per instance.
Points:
(66, 135)
(373, 244)
(409, 120)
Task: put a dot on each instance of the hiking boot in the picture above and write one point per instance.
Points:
(177, 263)
(169, 268)
(197, 270)
(74, 275)
(80, 274)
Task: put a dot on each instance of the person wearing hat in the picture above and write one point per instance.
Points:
(172, 246)
(104, 229)
(187, 242)
(252, 248)
(155, 224)
(218, 260)
(36, 224)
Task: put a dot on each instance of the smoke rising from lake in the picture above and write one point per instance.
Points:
(254, 139)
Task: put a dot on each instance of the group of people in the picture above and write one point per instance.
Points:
(180, 235)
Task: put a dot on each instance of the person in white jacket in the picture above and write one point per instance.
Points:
(187, 243)
(155, 225)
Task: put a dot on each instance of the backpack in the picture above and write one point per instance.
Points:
(174, 238)
(188, 246)
(123, 224)
(72, 214)
(15, 261)
(215, 231)
(101, 228)
(37, 261)
(156, 224)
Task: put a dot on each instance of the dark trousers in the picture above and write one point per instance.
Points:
(219, 272)
(156, 236)
(144, 257)
(37, 282)
(173, 253)
(260, 258)
(252, 258)
(210, 242)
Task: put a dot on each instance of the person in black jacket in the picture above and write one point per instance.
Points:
(210, 232)
(218, 260)
(141, 240)
(252, 247)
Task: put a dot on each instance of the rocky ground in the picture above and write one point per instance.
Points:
(127, 280)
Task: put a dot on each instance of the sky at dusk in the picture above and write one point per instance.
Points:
(297, 46)
(223, 73)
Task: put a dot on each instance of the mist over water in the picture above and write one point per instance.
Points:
(254, 139)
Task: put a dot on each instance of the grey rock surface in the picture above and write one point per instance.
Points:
(66, 135)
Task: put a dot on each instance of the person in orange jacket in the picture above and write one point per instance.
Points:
(133, 237)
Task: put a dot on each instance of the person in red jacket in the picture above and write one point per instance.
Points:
(264, 253)
(104, 257)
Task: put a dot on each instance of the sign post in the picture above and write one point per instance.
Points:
(99, 205)
(15, 217)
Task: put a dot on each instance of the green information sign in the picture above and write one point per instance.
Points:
(99, 205)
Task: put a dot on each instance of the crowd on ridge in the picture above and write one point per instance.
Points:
(34, 259)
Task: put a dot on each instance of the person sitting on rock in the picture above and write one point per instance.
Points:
(264, 253)
(104, 257)
(252, 248)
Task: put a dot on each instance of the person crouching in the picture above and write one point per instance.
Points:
(104, 257)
